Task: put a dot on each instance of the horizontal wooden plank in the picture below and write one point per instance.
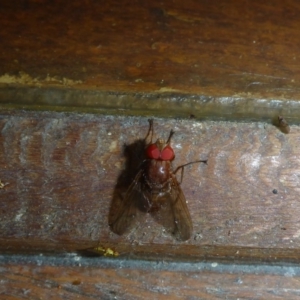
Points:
(59, 172)
(209, 48)
(69, 277)
(166, 105)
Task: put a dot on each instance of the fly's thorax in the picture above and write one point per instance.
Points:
(158, 172)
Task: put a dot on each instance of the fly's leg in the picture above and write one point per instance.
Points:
(182, 171)
(182, 167)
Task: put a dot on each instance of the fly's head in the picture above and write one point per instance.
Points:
(160, 150)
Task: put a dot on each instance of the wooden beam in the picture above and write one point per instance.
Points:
(69, 275)
(60, 172)
(247, 49)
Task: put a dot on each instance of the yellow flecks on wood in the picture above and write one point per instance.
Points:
(113, 146)
(106, 251)
(167, 90)
(2, 185)
(24, 78)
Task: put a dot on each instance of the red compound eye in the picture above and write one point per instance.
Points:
(167, 153)
(152, 151)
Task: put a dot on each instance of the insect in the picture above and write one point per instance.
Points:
(283, 125)
(155, 190)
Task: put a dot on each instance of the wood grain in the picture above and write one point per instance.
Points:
(61, 171)
(223, 60)
(203, 60)
(44, 278)
(197, 47)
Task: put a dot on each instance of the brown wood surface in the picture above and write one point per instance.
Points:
(209, 47)
(230, 59)
(40, 278)
(60, 172)
(196, 60)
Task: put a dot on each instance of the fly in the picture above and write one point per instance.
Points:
(156, 190)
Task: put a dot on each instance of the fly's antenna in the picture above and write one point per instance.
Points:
(170, 136)
(149, 136)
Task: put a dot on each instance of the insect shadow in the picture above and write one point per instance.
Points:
(134, 154)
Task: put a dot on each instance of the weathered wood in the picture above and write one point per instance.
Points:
(236, 59)
(213, 60)
(73, 276)
(61, 171)
(194, 46)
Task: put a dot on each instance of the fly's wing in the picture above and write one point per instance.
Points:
(173, 212)
(127, 207)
